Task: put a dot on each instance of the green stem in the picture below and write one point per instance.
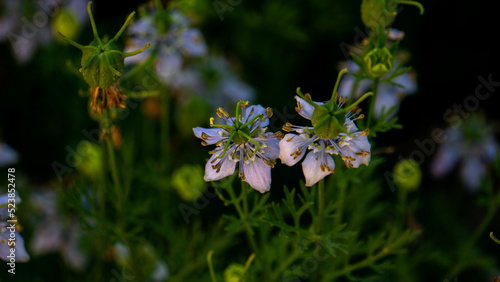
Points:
(285, 264)
(372, 102)
(165, 129)
(334, 92)
(321, 205)
(340, 208)
(112, 161)
(243, 213)
(210, 265)
(475, 236)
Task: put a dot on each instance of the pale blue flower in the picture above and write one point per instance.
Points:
(55, 233)
(242, 139)
(179, 41)
(389, 93)
(473, 145)
(214, 80)
(9, 235)
(8, 156)
(353, 148)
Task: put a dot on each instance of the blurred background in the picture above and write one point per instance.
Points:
(274, 47)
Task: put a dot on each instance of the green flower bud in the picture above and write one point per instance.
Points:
(234, 272)
(407, 175)
(102, 63)
(378, 62)
(89, 159)
(188, 182)
(375, 13)
(381, 13)
(65, 22)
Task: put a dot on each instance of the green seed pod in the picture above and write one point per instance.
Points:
(188, 182)
(381, 13)
(378, 62)
(234, 272)
(407, 175)
(326, 124)
(102, 63)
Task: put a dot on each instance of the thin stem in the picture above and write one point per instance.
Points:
(92, 22)
(334, 93)
(112, 161)
(475, 236)
(340, 209)
(133, 53)
(158, 5)
(242, 213)
(210, 265)
(321, 205)
(165, 129)
(122, 29)
(372, 102)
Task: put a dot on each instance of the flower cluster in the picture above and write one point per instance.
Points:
(243, 139)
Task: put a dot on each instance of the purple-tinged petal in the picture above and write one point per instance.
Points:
(192, 43)
(316, 166)
(387, 97)
(210, 135)
(490, 149)
(271, 147)
(305, 109)
(169, 65)
(446, 158)
(408, 81)
(293, 148)
(257, 174)
(216, 168)
(472, 171)
(21, 253)
(255, 110)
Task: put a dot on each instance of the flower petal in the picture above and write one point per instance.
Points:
(192, 43)
(290, 145)
(257, 174)
(314, 167)
(472, 171)
(446, 158)
(224, 167)
(271, 147)
(356, 151)
(305, 109)
(253, 111)
(209, 135)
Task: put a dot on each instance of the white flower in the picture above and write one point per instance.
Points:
(354, 147)
(243, 139)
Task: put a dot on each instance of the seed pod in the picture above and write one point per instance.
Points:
(102, 63)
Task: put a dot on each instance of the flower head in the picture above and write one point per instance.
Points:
(333, 133)
(242, 139)
(172, 45)
(473, 145)
(9, 233)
